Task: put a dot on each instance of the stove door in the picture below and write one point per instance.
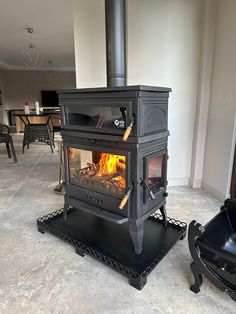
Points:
(98, 178)
(98, 116)
(155, 175)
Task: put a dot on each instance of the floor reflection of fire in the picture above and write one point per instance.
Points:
(107, 174)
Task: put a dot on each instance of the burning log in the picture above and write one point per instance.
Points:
(91, 165)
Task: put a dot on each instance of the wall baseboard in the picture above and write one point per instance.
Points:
(178, 181)
(216, 193)
(198, 184)
(195, 183)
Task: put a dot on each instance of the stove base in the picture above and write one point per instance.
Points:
(111, 243)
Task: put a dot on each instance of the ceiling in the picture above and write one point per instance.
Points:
(52, 21)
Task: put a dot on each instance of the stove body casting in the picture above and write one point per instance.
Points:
(115, 151)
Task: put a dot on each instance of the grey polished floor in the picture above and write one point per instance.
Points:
(41, 274)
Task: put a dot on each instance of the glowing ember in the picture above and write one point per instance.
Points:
(121, 181)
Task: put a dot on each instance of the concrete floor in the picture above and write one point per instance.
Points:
(41, 274)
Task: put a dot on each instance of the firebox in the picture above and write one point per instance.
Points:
(115, 146)
(96, 171)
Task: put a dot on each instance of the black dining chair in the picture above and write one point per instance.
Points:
(6, 138)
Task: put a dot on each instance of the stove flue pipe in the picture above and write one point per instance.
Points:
(115, 42)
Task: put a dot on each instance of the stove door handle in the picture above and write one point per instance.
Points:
(127, 134)
(149, 190)
(125, 198)
(128, 130)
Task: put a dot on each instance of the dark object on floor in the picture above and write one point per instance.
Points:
(111, 243)
(56, 125)
(60, 189)
(6, 138)
(233, 181)
(213, 249)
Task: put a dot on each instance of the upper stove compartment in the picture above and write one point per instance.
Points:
(143, 110)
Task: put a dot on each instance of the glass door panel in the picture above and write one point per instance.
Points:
(156, 172)
(98, 171)
(96, 116)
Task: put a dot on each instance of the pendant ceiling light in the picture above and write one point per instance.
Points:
(31, 55)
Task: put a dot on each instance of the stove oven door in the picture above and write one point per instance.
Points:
(99, 178)
(154, 178)
(100, 116)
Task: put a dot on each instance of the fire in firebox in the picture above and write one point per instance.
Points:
(97, 171)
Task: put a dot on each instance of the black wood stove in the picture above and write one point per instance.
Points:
(115, 155)
(115, 143)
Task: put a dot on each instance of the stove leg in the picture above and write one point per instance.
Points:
(197, 278)
(138, 283)
(79, 251)
(136, 233)
(40, 229)
(232, 295)
(164, 214)
(65, 211)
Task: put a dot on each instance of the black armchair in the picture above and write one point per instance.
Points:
(6, 138)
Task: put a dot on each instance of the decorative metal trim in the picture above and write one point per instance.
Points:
(172, 221)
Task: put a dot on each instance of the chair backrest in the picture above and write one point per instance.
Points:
(4, 129)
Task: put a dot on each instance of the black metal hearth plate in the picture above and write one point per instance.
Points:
(111, 243)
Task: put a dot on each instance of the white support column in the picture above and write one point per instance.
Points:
(209, 12)
(89, 42)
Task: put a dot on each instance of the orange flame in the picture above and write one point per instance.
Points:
(110, 164)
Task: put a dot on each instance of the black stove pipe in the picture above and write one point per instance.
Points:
(115, 42)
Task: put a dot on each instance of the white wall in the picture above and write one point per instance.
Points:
(208, 32)
(89, 37)
(163, 50)
(21, 86)
(1, 96)
(163, 45)
(220, 141)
